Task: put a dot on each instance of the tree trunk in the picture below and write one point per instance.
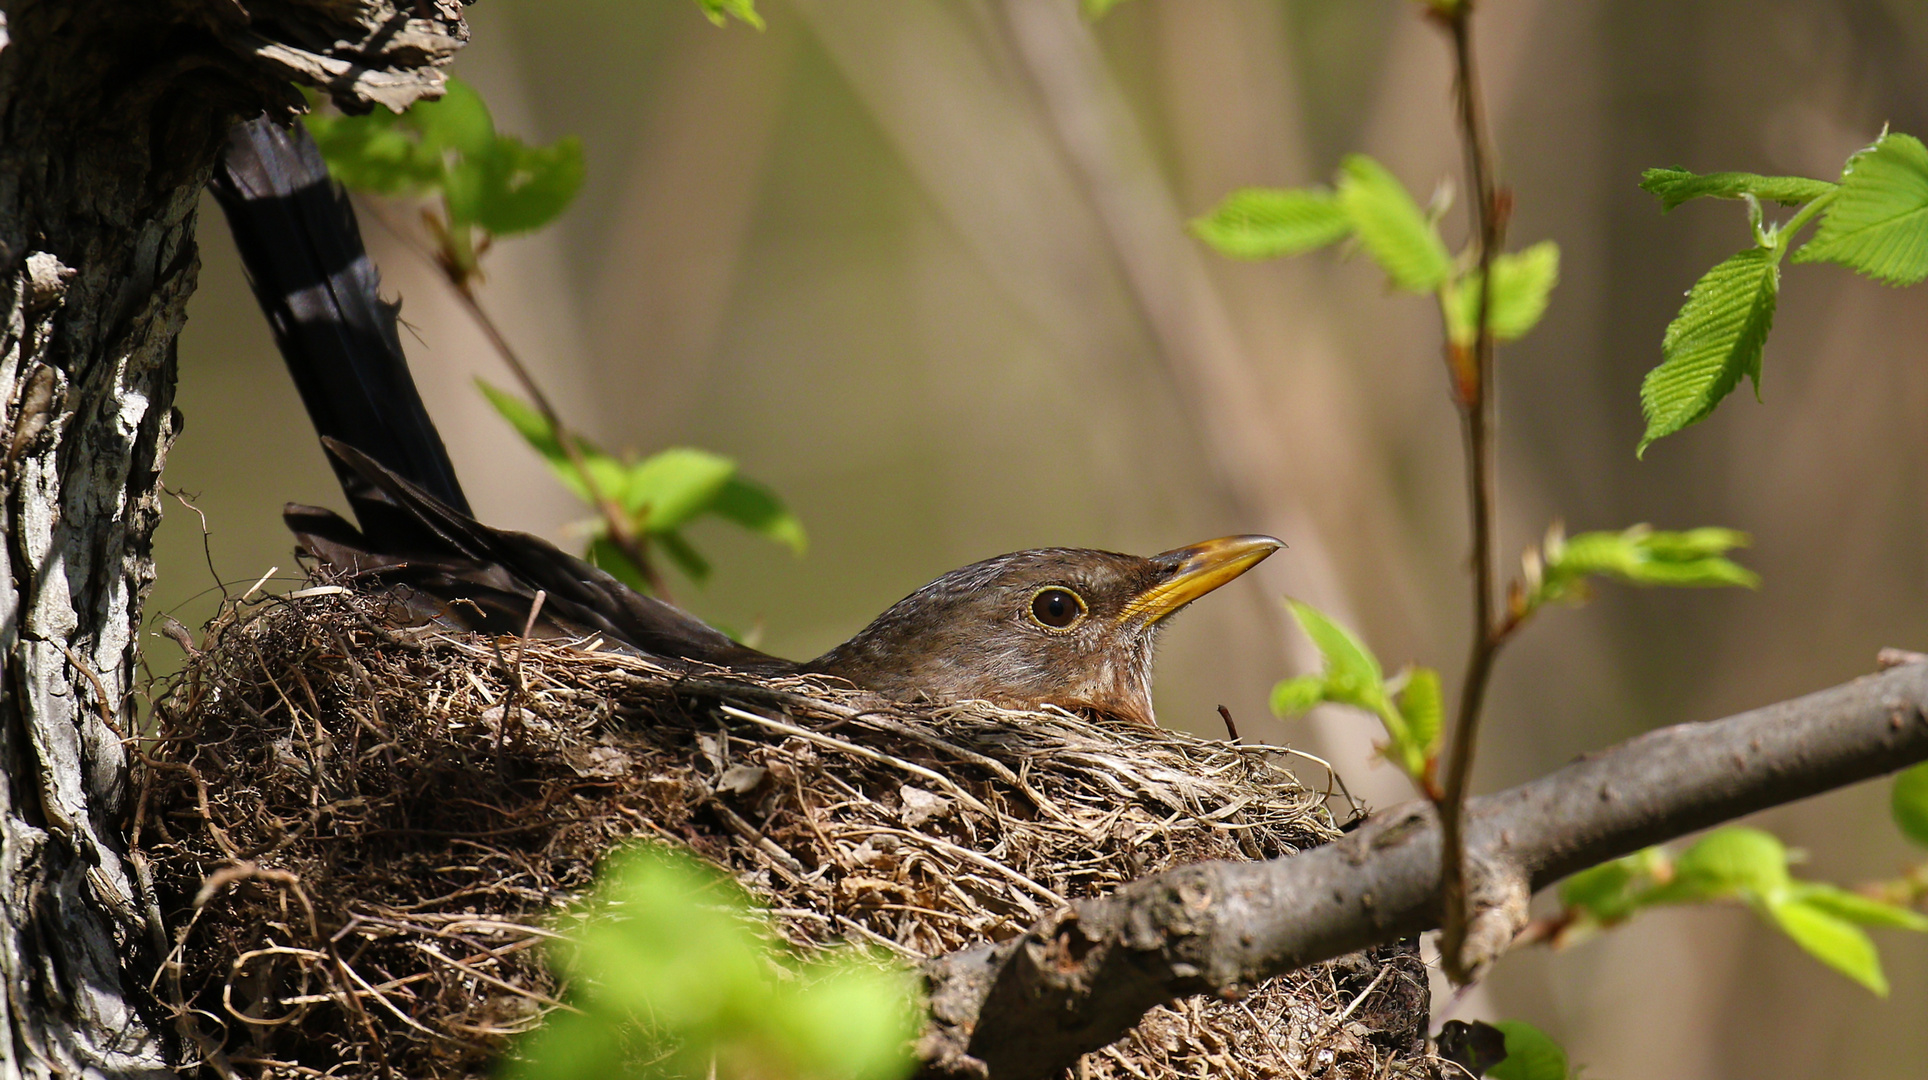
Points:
(111, 115)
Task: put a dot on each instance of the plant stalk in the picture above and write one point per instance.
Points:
(614, 519)
(1477, 416)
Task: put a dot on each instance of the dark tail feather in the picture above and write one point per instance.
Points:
(302, 248)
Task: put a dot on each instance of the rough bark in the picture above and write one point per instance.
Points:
(1083, 976)
(111, 114)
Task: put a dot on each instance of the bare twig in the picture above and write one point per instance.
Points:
(614, 519)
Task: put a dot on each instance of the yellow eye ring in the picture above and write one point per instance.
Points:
(1056, 608)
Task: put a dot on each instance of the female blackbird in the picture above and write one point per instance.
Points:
(1057, 626)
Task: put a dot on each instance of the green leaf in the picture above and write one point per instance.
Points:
(1391, 226)
(1424, 708)
(661, 493)
(848, 1020)
(459, 120)
(450, 147)
(1832, 940)
(1522, 282)
(604, 553)
(1352, 675)
(1290, 697)
(611, 476)
(528, 423)
(757, 509)
(719, 11)
(1266, 223)
(1676, 186)
(1856, 908)
(513, 187)
(1716, 338)
(673, 967)
(1530, 1055)
(1613, 891)
(667, 489)
(686, 558)
(1878, 224)
(1096, 9)
(1735, 861)
(1641, 556)
(1909, 803)
(373, 153)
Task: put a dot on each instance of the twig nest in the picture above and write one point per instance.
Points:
(361, 838)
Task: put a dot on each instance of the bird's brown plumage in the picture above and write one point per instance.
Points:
(1068, 627)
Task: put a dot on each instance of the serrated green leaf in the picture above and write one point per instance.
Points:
(1530, 1054)
(1641, 556)
(1522, 282)
(1878, 224)
(1909, 803)
(1716, 338)
(1352, 674)
(1676, 186)
(1424, 708)
(1391, 226)
(757, 509)
(1832, 940)
(1266, 223)
(719, 11)
(667, 489)
(1735, 861)
(1856, 908)
(1290, 697)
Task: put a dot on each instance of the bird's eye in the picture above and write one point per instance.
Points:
(1056, 608)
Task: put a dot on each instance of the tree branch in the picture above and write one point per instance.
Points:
(1084, 976)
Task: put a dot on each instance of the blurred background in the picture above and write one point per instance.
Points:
(918, 265)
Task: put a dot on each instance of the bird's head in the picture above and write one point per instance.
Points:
(1053, 626)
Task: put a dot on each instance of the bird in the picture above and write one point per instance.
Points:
(1072, 628)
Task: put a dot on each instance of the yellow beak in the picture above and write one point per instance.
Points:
(1195, 571)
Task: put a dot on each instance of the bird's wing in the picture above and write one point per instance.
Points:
(499, 571)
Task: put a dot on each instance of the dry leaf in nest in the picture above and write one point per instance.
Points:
(361, 839)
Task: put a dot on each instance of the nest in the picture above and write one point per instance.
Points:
(361, 838)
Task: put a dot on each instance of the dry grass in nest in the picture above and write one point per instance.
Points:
(361, 839)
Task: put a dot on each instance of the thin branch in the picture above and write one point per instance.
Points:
(446, 258)
(614, 519)
(1476, 394)
(1083, 977)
